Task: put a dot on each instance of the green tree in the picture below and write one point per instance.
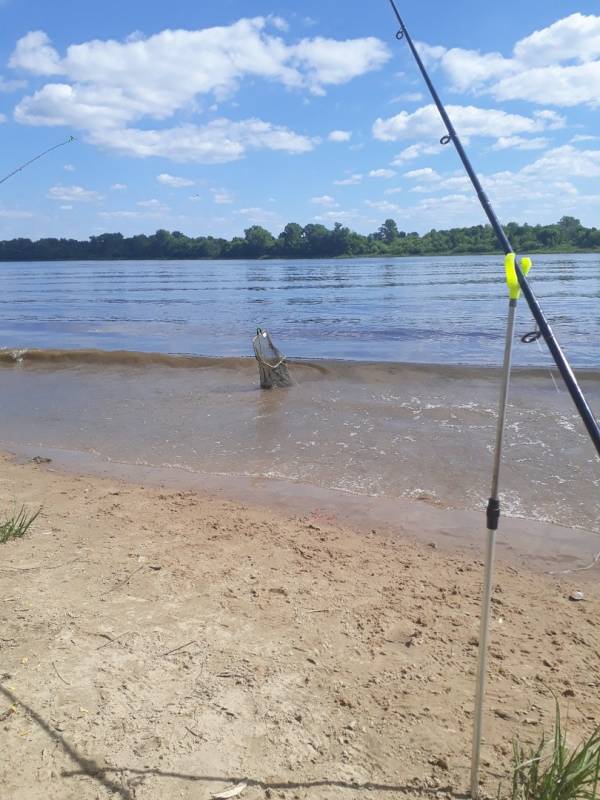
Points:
(259, 241)
(388, 232)
(291, 241)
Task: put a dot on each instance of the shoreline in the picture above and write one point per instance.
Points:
(541, 546)
(492, 254)
(11, 356)
(166, 641)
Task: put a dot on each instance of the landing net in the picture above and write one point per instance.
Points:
(272, 366)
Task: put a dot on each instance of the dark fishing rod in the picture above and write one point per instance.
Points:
(517, 282)
(585, 412)
(35, 158)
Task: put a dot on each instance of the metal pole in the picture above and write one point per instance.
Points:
(493, 513)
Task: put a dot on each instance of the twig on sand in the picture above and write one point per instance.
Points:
(317, 610)
(181, 646)
(59, 675)
(112, 641)
(197, 735)
(122, 583)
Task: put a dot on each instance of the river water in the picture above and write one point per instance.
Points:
(395, 395)
(426, 310)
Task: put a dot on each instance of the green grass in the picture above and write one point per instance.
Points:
(17, 524)
(552, 771)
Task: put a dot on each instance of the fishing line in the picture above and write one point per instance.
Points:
(31, 160)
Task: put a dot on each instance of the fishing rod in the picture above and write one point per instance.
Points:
(517, 281)
(559, 357)
(31, 160)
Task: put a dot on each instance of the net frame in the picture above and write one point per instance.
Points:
(272, 365)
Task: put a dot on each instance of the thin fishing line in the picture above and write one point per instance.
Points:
(35, 158)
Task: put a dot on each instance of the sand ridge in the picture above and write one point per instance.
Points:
(165, 644)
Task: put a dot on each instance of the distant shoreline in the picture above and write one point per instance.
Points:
(346, 257)
(310, 241)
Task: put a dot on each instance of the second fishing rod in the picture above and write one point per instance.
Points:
(585, 412)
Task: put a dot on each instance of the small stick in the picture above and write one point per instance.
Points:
(112, 641)
(123, 583)
(197, 735)
(59, 675)
(318, 610)
(181, 646)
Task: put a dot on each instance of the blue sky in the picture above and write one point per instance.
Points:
(210, 117)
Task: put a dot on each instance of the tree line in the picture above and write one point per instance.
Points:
(308, 241)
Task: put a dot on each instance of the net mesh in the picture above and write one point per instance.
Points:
(272, 366)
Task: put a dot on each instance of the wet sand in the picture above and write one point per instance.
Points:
(168, 643)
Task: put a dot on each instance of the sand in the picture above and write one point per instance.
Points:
(167, 644)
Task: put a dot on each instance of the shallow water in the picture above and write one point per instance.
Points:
(423, 310)
(385, 430)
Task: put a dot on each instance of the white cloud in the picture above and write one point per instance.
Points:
(426, 122)
(557, 65)
(2, 118)
(558, 85)
(416, 151)
(153, 203)
(565, 163)
(324, 200)
(337, 216)
(222, 197)
(173, 181)
(105, 87)
(560, 181)
(573, 38)
(118, 187)
(328, 61)
(426, 173)
(34, 53)
(340, 136)
(279, 22)
(382, 173)
(66, 208)
(546, 185)
(218, 142)
(353, 180)
(75, 194)
(384, 206)
(407, 97)
(260, 216)
(6, 87)
(121, 214)
(69, 168)
(520, 143)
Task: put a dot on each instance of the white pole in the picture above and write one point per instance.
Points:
(493, 513)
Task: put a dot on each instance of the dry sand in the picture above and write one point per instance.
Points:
(164, 644)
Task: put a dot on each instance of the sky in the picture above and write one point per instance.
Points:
(210, 117)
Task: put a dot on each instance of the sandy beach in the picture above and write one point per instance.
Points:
(166, 643)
